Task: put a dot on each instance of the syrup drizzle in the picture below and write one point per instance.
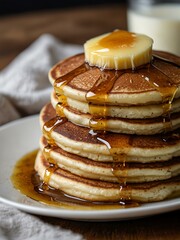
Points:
(60, 118)
(27, 181)
(52, 165)
(166, 88)
(119, 161)
(48, 128)
(65, 79)
(98, 94)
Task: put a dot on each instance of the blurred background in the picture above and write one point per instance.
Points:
(21, 22)
(35, 34)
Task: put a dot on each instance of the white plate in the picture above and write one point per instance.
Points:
(22, 136)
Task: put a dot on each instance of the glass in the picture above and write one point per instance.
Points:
(157, 19)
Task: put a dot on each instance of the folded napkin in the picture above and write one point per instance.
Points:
(24, 85)
(24, 89)
(16, 225)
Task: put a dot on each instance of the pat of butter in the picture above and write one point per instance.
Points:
(118, 50)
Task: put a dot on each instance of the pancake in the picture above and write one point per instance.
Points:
(83, 142)
(129, 112)
(121, 125)
(108, 171)
(144, 86)
(93, 190)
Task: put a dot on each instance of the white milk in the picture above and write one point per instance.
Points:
(160, 22)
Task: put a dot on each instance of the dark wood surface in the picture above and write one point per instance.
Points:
(160, 227)
(76, 26)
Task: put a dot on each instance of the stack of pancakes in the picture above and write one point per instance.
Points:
(112, 135)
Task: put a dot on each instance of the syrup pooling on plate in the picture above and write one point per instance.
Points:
(26, 180)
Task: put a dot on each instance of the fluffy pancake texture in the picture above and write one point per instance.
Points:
(133, 172)
(112, 135)
(146, 126)
(138, 148)
(94, 190)
(127, 112)
(127, 100)
(131, 88)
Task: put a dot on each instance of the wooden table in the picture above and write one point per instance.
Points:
(76, 26)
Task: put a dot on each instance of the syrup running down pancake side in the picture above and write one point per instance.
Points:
(98, 96)
(27, 181)
(157, 75)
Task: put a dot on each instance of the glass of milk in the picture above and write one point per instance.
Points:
(158, 19)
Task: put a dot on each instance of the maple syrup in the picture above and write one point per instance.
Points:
(48, 127)
(163, 84)
(26, 180)
(118, 39)
(97, 97)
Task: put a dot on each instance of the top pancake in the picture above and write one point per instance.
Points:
(153, 83)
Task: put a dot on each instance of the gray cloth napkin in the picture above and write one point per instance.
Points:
(24, 89)
(24, 85)
(16, 225)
